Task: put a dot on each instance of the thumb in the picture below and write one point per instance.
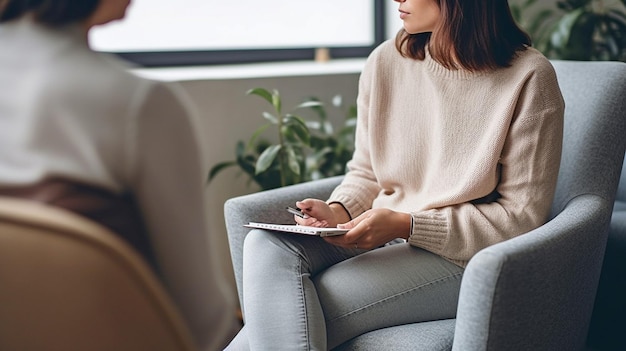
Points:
(305, 204)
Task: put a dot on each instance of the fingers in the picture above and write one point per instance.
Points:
(350, 242)
(311, 222)
(316, 213)
(351, 224)
(307, 204)
(354, 238)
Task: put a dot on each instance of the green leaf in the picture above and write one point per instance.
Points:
(316, 105)
(614, 42)
(270, 117)
(292, 160)
(581, 44)
(536, 26)
(327, 128)
(276, 102)
(218, 168)
(256, 134)
(310, 104)
(297, 125)
(337, 100)
(573, 36)
(293, 119)
(296, 135)
(617, 15)
(264, 93)
(240, 149)
(267, 158)
(561, 36)
(316, 125)
(247, 165)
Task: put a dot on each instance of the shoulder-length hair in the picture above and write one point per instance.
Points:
(49, 12)
(477, 35)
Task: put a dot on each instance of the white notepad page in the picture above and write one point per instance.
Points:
(299, 229)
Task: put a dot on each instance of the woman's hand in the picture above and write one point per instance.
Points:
(372, 229)
(320, 214)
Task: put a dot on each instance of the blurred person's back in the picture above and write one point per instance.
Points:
(78, 131)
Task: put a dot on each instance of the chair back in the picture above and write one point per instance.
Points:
(536, 291)
(595, 116)
(67, 283)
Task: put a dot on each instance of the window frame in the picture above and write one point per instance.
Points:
(222, 57)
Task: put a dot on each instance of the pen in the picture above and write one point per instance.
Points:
(296, 211)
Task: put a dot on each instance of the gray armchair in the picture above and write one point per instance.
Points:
(533, 292)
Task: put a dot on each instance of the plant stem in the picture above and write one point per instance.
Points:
(281, 152)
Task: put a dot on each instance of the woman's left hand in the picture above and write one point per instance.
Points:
(372, 229)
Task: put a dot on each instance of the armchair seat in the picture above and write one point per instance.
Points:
(427, 336)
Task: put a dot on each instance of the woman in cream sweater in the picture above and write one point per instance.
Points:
(458, 146)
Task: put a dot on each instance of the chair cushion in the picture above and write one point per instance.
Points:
(426, 336)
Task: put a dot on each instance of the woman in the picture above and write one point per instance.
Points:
(457, 148)
(77, 130)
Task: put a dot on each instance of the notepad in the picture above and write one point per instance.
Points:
(298, 229)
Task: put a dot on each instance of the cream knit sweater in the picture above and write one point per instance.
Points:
(439, 144)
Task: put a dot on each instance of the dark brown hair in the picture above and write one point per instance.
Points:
(49, 12)
(481, 33)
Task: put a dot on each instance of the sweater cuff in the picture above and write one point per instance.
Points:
(352, 205)
(429, 230)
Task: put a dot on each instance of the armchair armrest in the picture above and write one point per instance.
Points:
(514, 294)
(267, 206)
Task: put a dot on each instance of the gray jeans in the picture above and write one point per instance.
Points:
(301, 293)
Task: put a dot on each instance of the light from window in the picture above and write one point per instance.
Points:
(181, 25)
(393, 21)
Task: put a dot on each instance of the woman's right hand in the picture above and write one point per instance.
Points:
(319, 214)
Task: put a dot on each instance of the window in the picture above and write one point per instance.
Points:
(192, 32)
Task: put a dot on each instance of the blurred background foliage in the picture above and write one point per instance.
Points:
(584, 30)
(304, 145)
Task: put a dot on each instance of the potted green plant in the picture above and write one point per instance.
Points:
(583, 30)
(304, 148)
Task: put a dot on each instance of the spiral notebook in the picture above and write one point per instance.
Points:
(299, 229)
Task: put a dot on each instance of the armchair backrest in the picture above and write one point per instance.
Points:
(595, 103)
(536, 291)
(67, 283)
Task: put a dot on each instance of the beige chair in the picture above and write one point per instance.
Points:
(67, 283)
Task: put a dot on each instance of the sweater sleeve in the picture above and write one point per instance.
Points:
(528, 166)
(360, 187)
(168, 182)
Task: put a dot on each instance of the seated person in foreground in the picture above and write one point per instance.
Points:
(78, 131)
